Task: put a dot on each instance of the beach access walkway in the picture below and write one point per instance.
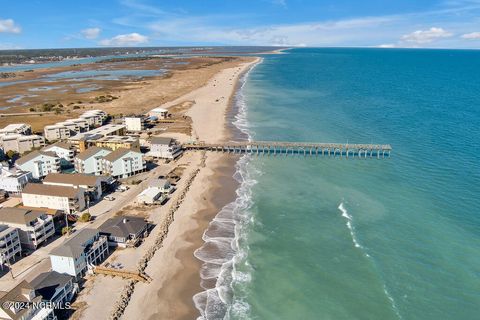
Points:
(378, 151)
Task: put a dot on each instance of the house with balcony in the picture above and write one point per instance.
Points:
(13, 180)
(124, 231)
(39, 163)
(65, 151)
(56, 289)
(135, 124)
(164, 148)
(66, 198)
(79, 253)
(116, 142)
(123, 163)
(90, 161)
(21, 143)
(93, 186)
(34, 226)
(56, 132)
(23, 303)
(81, 123)
(17, 128)
(10, 247)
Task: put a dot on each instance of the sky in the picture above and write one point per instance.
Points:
(26, 24)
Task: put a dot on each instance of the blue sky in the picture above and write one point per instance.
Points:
(385, 23)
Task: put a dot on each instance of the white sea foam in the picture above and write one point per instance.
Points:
(222, 251)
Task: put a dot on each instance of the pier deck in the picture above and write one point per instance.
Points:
(296, 148)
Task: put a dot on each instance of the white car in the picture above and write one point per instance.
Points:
(109, 198)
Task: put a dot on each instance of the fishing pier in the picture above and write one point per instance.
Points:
(270, 148)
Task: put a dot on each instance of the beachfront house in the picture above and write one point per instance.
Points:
(21, 143)
(13, 180)
(66, 198)
(158, 113)
(74, 256)
(163, 185)
(93, 186)
(124, 231)
(56, 132)
(10, 246)
(55, 288)
(123, 163)
(165, 148)
(39, 163)
(22, 303)
(65, 151)
(90, 161)
(16, 128)
(151, 195)
(34, 226)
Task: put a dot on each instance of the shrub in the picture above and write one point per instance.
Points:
(85, 217)
(66, 230)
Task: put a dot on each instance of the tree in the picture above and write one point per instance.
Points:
(11, 154)
(66, 230)
(85, 217)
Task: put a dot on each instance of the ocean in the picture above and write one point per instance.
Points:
(331, 238)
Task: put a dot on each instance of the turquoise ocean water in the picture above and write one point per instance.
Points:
(332, 238)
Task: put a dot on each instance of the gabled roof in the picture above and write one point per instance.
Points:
(46, 284)
(17, 294)
(75, 179)
(90, 152)
(123, 226)
(51, 190)
(75, 246)
(34, 154)
(19, 216)
(162, 140)
(118, 153)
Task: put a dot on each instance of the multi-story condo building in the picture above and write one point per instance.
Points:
(84, 140)
(90, 161)
(9, 244)
(135, 124)
(56, 132)
(14, 180)
(163, 147)
(39, 163)
(70, 125)
(94, 118)
(65, 198)
(65, 151)
(21, 143)
(123, 163)
(116, 142)
(81, 123)
(34, 226)
(17, 128)
(75, 255)
(93, 186)
(23, 303)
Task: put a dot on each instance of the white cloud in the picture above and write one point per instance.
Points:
(91, 33)
(130, 39)
(387, 45)
(9, 26)
(426, 36)
(472, 36)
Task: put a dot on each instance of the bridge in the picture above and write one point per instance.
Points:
(347, 150)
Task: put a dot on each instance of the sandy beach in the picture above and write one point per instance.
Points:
(181, 222)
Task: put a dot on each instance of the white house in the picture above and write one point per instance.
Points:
(134, 124)
(92, 185)
(160, 113)
(65, 151)
(17, 128)
(163, 147)
(163, 185)
(21, 143)
(22, 303)
(123, 163)
(90, 161)
(151, 195)
(34, 226)
(39, 163)
(9, 244)
(75, 255)
(56, 132)
(13, 180)
(65, 198)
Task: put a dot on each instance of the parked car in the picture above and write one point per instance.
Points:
(109, 198)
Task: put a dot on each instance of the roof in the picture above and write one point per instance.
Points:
(75, 246)
(123, 226)
(75, 179)
(50, 190)
(162, 140)
(17, 294)
(59, 144)
(6, 230)
(151, 192)
(46, 284)
(90, 152)
(118, 153)
(33, 155)
(15, 126)
(159, 183)
(19, 216)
